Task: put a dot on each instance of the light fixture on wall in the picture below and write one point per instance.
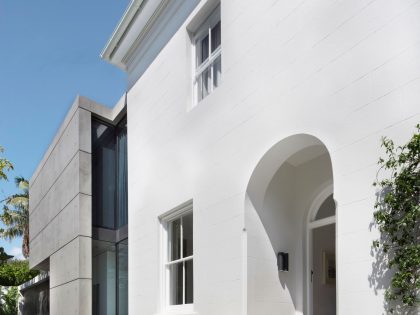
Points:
(283, 261)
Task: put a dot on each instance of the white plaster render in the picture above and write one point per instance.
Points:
(344, 72)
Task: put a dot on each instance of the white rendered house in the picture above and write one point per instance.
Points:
(252, 136)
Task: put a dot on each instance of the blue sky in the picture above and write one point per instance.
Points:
(49, 54)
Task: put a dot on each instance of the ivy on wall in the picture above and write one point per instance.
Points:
(397, 214)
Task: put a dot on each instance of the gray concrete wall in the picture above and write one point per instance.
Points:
(60, 212)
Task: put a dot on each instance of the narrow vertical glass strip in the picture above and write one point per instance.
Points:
(189, 283)
(176, 288)
(122, 286)
(216, 38)
(175, 240)
(204, 49)
(205, 81)
(122, 191)
(104, 277)
(187, 235)
(103, 175)
(183, 282)
(217, 71)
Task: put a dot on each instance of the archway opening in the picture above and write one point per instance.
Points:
(321, 255)
(280, 196)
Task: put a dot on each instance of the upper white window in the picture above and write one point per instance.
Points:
(178, 258)
(208, 56)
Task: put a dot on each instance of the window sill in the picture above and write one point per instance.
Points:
(177, 312)
(188, 310)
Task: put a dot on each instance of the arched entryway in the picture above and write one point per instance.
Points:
(321, 254)
(282, 194)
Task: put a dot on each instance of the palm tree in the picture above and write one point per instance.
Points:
(15, 215)
(5, 166)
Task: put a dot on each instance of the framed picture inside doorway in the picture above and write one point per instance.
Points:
(328, 267)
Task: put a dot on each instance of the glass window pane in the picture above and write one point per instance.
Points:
(199, 88)
(205, 83)
(103, 175)
(217, 71)
(215, 37)
(103, 277)
(175, 284)
(123, 277)
(189, 283)
(204, 49)
(187, 229)
(175, 240)
(122, 173)
(327, 209)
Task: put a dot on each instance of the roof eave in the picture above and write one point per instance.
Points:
(119, 32)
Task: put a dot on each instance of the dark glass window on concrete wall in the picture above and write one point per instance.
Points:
(109, 218)
(110, 278)
(109, 174)
(122, 277)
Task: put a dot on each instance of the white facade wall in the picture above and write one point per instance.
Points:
(346, 72)
(280, 226)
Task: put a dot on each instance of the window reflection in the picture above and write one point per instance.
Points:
(109, 174)
(109, 278)
(103, 174)
(122, 277)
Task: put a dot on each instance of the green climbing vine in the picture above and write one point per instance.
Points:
(397, 214)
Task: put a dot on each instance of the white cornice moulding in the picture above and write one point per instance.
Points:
(133, 27)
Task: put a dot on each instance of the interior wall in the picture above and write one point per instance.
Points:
(280, 225)
(324, 294)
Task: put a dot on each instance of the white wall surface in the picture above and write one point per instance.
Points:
(344, 71)
(280, 226)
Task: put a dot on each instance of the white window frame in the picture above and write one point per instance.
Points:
(165, 220)
(201, 32)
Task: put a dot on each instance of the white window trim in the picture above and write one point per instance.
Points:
(165, 219)
(203, 30)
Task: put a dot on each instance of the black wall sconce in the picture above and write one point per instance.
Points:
(283, 261)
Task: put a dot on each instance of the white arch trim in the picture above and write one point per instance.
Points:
(325, 191)
(271, 161)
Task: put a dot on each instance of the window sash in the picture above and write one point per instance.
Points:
(169, 263)
(208, 62)
(180, 261)
(204, 76)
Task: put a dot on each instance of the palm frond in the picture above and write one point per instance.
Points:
(15, 215)
(5, 166)
(22, 183)
(10, 233)
(18, 200)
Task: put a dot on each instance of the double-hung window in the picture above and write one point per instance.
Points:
(208, 56)
(178, 261)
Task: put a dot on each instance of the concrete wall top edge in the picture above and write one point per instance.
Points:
(87, 104)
